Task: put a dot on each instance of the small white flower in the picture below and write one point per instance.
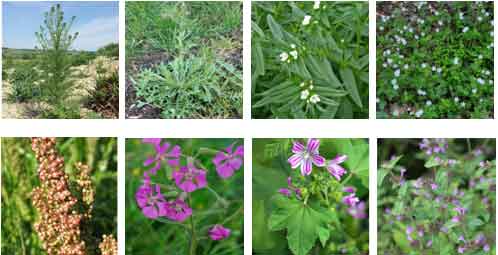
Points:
(474, 90)
(480, 81)
(422, 34)
(311, 87)
(389, 61)
(302, 84)
(381, 28)
(455, 61)
(416, 37)
(394, 82)
(306, 20)
(316, 5)
(465, 29)
(490, 82)
(440, 22)
(293, 54)
(439, 69)
(397, 72)
(406, 66)
(396, 87)
(293, 46)
(396, 113)
(480, 56)
(456, 99)
(423, 65)
(315, 99)
(419, 113)
(395, 66)
(428, 103)
(410, 30)
(437, 30)
(479, 18)
(384, 65)
(461, 15)
(433, 68)
(462, 104)
(304, 94)
(284, 56)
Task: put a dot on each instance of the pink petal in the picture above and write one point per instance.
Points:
(339, 159)
(313, 144)
(224, 171)
(239, 151)
(318, 160)
(295, 160)
(149, 161)
(235, 163)
(154, 141)
(297, 147)
(161, 149)
(220, 156)
(201, 179)
(175, 152)
(306, 167)
(229, 149)
(150, 212)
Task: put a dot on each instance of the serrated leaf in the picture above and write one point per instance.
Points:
(350, 84)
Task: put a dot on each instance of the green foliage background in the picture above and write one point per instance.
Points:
(147, 237)
(420, 211)
(19, 177)
(332, 52)
(270, 172)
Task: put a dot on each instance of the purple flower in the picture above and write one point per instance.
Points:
(444, 229)
(218, 232)
(434, 186)
(486, 247)
(285, 192)
(306, 157)
(189, 178)
(409, 230)
(430, 146)
(349, 189)
(452, 162)
(178, 210)
(428, 244)
(358, 211)
(461, 239)
(461, 249)
(455, 219)
(172, 157)
(229, 161)
(152, 203)
(350, 200)
(335, 168)
(460, 210)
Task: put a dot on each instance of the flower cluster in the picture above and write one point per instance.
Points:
(307, 93)
(109, 245)
(60, 223)
(188, 178)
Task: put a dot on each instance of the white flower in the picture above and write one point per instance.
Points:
(394, 82)
(462, 104)
(474, 90)
(479, 18)
(304, 94)
(294, 54)
(284, 56)
(419, 113)
(416, 37)
(437, 30)
(306, 20)
(396, 113)
(381, 28)
(315, 99)
(396, 87)
(396, 73)
(440, 22)
(465, 29)
(302, 84)
(389, 61)
(460, 15)
(491, 82)
(433, 68)
(455, 61)
(428, 102)
(293, 46)
(311, 87)
(480, 81)
(456, 99)
(384, 65)
(406, 66)
(480, 56)
(423, 65)
(439, 69)
(316, 5)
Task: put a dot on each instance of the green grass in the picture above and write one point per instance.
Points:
(19, 177)
(199, 45)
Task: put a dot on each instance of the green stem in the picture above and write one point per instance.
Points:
(193, 240)
(469, 146)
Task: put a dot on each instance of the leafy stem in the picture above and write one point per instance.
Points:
(193, 241)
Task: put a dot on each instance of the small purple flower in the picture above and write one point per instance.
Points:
(189, 178)
(461, 239)
(334, 167)
(306, 157)
(455, 219)
(477, 152)
(349, 189)
(461, 249)
(409, 230)
(178, 210)
(218, 232)
(358, 211)
(486, 247)
(460, 210)
(285, 192)
(434, 186)
(151, 201)
(350, 200)
(228, 161)
(428, 244)
(430, 146)
(452, 162)
(387, 210)
(172, 157)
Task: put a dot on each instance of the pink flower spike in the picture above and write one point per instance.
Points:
(178, 210)
(227, 162)
(306, 157)
(218, 232)
(349, 189)
(334, 167)
(189, 178)
(285, 192)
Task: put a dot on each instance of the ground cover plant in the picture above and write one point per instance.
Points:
(55, 78)
(59, 196)
(435, 60)
(436, 196)
(309, 60)
(310, 196)
(184, 60)
(185, 195)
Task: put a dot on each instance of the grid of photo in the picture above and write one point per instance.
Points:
(152, 127)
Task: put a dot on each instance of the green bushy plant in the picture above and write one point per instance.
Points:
(195, 75)
(110, 50)
(310, 60)
(104, 98)
(439, 198)
(23, 80)
(435, 59)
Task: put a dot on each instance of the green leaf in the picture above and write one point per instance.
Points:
(350, 84)
(432, 162)
(259, 68)
(381, 174)
(275, 29)
(261, 237)
(392, 163)
(474, 223)
(323, 235)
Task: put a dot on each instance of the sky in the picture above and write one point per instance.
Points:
(96, 23)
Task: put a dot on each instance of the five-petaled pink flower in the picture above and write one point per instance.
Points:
(172, 157)
(228, 161)
(178, 210)
(307, 156)
(151, 201)
(334, 167)
(189, 178)
(218, 232)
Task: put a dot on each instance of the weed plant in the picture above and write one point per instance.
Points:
(436, 196)
(310, 60)
(435, 60)
(186, 58)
